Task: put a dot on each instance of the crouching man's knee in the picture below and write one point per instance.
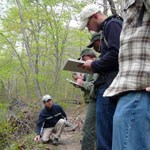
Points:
(44, 139)
(62, 121)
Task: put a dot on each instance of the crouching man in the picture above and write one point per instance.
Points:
(51, 122)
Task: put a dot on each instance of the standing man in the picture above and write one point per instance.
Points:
(87, 86)
(131, 124)
(92, 18)
(51, 122)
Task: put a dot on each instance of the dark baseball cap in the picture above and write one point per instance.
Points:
(88, 52)
(96, 36)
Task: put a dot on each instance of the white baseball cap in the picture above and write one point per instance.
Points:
(45, 98)
(87, 12)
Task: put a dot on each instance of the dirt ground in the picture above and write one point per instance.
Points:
(71, 141)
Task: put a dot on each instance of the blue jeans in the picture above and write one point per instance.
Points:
(104, 119)
(131, 124)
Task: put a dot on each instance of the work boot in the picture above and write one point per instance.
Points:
(55, 141)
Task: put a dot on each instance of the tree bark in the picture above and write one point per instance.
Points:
(112, 5)
(105, 7)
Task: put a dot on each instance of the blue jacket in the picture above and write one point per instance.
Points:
(49, 117)
(107, 65)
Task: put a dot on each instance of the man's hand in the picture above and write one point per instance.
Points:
(37, 138)
(87, 65)
(80, 82)
(148, 89)
(77, 76)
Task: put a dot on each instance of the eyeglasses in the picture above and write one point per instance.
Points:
(89, 19)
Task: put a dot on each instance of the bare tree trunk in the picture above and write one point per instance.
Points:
(31, 63)
(105, 7)
(112, 5)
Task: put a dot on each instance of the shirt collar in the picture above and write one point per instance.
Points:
(105, 22)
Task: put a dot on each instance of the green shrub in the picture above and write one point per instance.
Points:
(5, 129)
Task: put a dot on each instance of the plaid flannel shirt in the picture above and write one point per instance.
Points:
(134, 54)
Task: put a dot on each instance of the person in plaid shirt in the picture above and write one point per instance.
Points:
(131, 122)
